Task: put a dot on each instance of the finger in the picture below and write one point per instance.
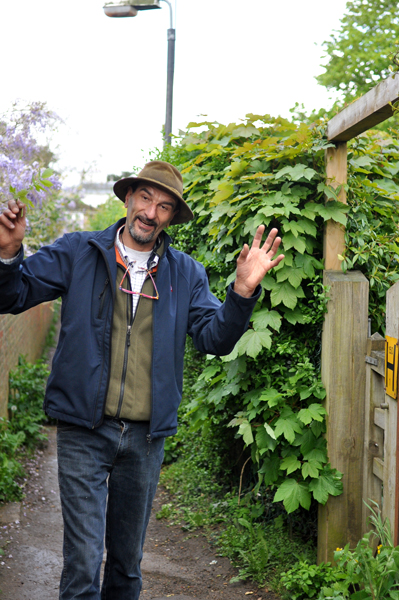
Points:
(13, 206)
(6, 219)
(270, 239)
(244, 253)
(275, 246)
(258, 236)
(276, 261)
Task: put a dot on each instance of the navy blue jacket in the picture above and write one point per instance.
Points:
(81, 269)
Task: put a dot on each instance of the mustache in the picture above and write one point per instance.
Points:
(146, 221)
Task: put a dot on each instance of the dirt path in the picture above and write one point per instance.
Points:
(176, 565)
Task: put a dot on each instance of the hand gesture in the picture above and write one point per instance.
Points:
(12, 228)
(254, 263)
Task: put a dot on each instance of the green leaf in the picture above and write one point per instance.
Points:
(209, 372)
(266, 318)
(245, 131)
(293, 494)
(270, 469)
(271, 396)
(328, 483)
(335, 211)
(293, 226)
(311, 469)
(294, 316)
(314, 412)
(264, 440)
(269, 431)
(46, 183)
(245, 430)
(237, 167)
(225, 191)
(47, 173)
(286, 294)
(291, 241)
(306, 262)
(297, 172)
(252, 342)
(290, 464)
(287, 427)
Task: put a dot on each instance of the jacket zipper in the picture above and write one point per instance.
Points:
(154, 312)
(129, 319)
(93, 424)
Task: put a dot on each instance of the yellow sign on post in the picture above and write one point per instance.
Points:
(391, 366)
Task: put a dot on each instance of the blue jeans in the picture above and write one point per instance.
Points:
(108, 478)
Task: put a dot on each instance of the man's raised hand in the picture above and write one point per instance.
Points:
(253, 263)
(12, 228)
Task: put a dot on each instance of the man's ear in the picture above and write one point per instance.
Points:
(128, 194)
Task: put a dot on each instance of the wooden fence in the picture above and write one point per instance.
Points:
(21, 334)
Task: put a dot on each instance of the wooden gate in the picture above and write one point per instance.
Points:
(380, 441)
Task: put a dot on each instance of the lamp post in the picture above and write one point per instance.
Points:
(131, 10)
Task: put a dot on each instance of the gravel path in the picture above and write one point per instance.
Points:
(176, 564)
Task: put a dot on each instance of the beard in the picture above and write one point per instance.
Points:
(142, 238)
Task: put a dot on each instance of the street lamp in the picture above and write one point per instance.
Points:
(125, 9)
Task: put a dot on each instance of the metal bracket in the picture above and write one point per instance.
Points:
(371, 361)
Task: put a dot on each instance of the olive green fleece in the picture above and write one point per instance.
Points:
(134, 400)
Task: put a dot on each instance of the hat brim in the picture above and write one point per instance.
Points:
(184, 215)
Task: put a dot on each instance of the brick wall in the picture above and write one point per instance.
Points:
(21, 334)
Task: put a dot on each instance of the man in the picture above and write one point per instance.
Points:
(128, 301)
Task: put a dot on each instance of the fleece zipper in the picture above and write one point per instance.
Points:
(129, 321)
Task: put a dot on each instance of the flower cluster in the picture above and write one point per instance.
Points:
(21, 157)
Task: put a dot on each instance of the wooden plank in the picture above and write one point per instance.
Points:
(380, 417)
(380, 367)
(344, 374)
(334, 233)
(374, 436)
(392, 329)
(365, 112)
(375, 343)
(378, 468)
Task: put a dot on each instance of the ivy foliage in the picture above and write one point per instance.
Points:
(270, 171)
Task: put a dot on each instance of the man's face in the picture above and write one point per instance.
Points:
(149, 211)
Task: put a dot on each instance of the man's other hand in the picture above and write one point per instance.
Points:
(12, 228)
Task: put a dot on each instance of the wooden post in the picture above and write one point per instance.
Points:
(344, 375)
(334, 233)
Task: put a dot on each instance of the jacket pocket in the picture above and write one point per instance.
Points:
(102, 297)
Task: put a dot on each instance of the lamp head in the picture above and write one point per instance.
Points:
(125, 9)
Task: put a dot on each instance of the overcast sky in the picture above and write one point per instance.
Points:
(106, 78)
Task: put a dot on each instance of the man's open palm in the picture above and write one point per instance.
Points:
(253, 263)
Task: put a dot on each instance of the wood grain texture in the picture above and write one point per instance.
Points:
(365, 112)
(344, 345)
(334, 233)
(390, 440)
(373, 434)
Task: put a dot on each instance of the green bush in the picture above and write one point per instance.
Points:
(106, 214)
(305, 581)
(10, 469)
(23, 431)
(27, 386)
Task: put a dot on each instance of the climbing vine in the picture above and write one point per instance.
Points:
(271, 171)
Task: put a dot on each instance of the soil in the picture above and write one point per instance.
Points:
(176, 564)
